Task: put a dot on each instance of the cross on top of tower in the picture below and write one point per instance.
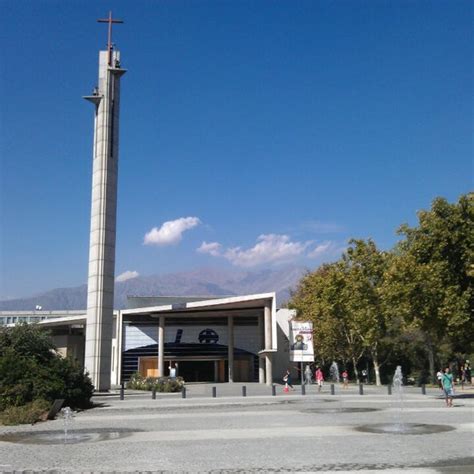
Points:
(109, 20)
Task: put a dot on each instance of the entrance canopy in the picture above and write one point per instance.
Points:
(212, 339)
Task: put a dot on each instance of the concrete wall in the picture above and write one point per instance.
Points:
(281, 359)
(70, 345)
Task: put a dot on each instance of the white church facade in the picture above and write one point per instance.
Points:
(231, 339)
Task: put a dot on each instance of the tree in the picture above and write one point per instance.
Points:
(320, 298)
(364, 269)
(31, 369)
(429, 282)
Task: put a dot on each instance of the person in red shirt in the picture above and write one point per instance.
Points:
(319, 377)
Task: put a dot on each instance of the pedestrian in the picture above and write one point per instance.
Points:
(308, 375)
(462, 374)
(439, 376)
(319, 378)
(468, 373)
(287, 380)
(448, 387)
(345, 379)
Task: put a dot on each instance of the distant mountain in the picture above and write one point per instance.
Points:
(200, 282)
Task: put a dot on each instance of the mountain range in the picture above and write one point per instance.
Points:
(199, 282)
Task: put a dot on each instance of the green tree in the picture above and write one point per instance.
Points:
(31, 369)
(320, 298)
(364, 270)
(429, 281)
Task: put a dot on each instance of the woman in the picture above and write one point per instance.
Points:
(448, 387)
(345, 379)
(318, 375)
(287, 380)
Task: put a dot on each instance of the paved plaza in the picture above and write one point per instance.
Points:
(318, 432)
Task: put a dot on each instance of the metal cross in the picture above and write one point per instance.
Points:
(109, 40)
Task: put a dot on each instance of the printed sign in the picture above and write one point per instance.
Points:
(301, 341)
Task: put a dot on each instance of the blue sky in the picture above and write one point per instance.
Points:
(261, 132)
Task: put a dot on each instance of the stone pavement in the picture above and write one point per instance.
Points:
(318, 432)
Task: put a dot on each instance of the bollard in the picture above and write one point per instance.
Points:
(122, 391)
(214, 392)
(389, 389)
(303, 389)
(423, 389)
(274, 391)
(183, 392)
(153, 393)
(244, 391)
(333, 391)
(361, 389)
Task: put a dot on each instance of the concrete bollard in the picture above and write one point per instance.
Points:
(244, 391)
(214, 392)
(389, 389)
(303, 389)
(361, 389)
(183, 392)
(423, 389)
(122, 391)
(153, 393)
(274, 390)
(333, 390)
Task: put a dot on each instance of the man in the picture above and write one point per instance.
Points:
(448, 388)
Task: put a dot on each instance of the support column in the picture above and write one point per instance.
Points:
(261, 363)
(216, 371)
(268, 343)
(161, 347)
(230, 346)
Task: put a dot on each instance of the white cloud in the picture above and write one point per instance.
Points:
(212, 248)
(171, 232)
(128, 275)
(326, 249)
(270, 248)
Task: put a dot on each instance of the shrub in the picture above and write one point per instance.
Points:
(161, 384)
(25, 414)
(30, 369)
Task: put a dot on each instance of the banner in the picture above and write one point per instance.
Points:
(301, 341)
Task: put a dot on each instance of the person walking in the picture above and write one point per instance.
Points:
(439, 376)
(319, 378)
(287, 380)
(448, 387)
(345, 379)
(308, 375)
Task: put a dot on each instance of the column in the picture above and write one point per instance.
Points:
(161, 347)
(268, 343)
(216, 371)
(261, 362)
(230, 346)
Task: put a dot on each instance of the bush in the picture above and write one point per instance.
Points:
(25, 414)
(161, 384)
(30, 369)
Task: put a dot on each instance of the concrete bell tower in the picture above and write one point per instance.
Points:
(100, 286)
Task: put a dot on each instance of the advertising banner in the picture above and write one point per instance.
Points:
(301, 341)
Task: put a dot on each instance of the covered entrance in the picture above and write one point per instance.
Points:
(220, 340)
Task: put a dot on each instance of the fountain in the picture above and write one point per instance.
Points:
(68, 418)
(65, 436)
(399, 427)
(397, 384)
(334, 372)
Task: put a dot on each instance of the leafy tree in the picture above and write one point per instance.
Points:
(364, 269)
(429, 282)
(320, 298)
(30, 369)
